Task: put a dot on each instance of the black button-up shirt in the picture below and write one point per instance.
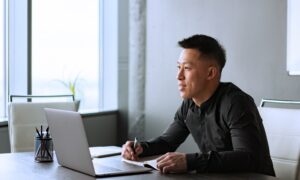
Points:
(227, 129)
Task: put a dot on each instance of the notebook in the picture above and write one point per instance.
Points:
(144, 162)
(72, 150)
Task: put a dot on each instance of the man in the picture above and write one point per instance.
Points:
(222, 119)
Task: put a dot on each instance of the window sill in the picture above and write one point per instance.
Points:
(95, 112)
(294, 73)
(4, 121)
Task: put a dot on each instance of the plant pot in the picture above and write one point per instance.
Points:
(77, 104)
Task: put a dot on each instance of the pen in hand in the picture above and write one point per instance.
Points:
(135, 144)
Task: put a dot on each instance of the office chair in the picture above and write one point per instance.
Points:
(282, 126)
(24, 117)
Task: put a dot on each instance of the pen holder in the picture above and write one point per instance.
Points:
(43, 148)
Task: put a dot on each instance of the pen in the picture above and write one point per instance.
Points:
(42, 131)
(135, 144)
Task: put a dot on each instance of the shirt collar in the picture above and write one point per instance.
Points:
(210, 100)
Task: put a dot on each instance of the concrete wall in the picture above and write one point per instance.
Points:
(253, 33)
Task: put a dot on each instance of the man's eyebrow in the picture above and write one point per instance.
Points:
(184, 62)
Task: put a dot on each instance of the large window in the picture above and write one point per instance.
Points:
(65, 49)
(53, 43)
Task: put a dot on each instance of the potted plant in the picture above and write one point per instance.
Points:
(72, 85)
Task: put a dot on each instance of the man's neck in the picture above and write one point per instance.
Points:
(206, 95)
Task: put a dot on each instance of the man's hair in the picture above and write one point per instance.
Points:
(208, 47)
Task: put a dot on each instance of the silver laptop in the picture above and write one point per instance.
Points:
(72, 150)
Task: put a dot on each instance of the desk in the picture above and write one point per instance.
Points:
(22, 166)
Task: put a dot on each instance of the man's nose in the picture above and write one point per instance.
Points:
(180, 74)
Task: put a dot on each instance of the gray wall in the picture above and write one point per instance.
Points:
(253, 33)
(123, 70)
(4, 139)
(101, 128)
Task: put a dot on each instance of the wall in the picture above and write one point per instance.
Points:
(252, 32)
(101, 128)
(123, 56)
(4, 139)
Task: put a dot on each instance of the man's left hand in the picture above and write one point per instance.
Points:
(172, 162)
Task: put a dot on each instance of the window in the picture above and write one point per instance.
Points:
(293, 37)
(65, 47)
(60, 40)
(2, 60)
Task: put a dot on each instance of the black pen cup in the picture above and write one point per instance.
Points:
(43, 148)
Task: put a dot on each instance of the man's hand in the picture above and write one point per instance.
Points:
(172, 162)
(128, 152)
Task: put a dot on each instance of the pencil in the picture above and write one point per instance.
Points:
(37, 131)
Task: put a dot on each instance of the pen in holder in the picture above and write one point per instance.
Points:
(43, 146)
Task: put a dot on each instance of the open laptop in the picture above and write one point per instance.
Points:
(72, 150)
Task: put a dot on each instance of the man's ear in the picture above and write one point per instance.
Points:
(212, 72)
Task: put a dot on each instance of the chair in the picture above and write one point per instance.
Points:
(282, 127)
(24, 117)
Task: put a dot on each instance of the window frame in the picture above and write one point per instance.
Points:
(4, 49)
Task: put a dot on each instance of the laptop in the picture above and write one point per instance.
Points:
(105, 151)
(72, 150)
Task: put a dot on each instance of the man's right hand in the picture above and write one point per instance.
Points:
(128, 152)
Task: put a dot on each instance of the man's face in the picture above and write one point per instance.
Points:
(193, 74)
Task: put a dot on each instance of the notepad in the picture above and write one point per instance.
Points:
(105, 151)
(143, 162)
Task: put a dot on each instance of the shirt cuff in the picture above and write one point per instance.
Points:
(191, 161)
(196, 161)
(145, 146)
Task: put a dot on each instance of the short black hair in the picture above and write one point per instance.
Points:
(208, 47)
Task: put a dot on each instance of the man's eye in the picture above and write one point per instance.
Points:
(178, 67)
(187, 68)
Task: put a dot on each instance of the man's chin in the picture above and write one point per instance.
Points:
(183, 96)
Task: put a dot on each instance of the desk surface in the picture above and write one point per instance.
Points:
(22, 165)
